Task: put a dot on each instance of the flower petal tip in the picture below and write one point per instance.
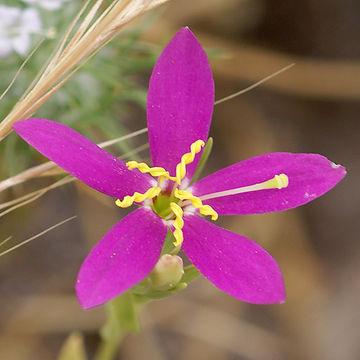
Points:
(272, 293)
(186, 31)
(186, 35)
(89, 302)
(279, 297)
(84, 301)
(336, 173)
(340, 170)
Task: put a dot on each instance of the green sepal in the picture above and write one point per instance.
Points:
(168, 246)
(190, 274)
(143, 287)
(157, 294)
(204, 158)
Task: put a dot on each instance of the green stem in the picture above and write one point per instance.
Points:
(122, 312)
(108, 348)
(121, 319)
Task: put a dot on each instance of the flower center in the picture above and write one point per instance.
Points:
(170, 206)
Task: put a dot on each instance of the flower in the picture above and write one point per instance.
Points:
(16, 25)
(179, 111)
(47, 4)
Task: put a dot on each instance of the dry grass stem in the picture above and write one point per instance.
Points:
(37, 235)
(26, 175)
(20, 68)
(30, 197)
(50, 168)
(123, 138)
(91, 35)
(243, 91)
(5, 241)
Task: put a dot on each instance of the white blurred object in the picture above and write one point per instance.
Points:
(16, 25)
(47, 4)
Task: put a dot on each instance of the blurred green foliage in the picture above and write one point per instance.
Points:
(95, 100)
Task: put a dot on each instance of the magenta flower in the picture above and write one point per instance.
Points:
(179, 110)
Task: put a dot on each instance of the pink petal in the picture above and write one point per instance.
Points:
(124, 257)
(233, 263)
(82, 158)
(310, 176)
(180, 101)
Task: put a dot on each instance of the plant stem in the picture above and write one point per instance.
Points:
(121, 319)
(108, 348)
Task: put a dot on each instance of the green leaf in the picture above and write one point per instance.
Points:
(204, 157)
(73, 348)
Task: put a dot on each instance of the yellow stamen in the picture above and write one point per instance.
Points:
(180, 168)
(178, 224)
(154, 171)
(196, 203)
(137, 197)
(187, 159)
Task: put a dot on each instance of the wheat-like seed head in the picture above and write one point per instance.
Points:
(76, 47)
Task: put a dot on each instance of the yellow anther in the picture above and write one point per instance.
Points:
(178, 223)
(187, 159)
(277, 182)
(196, 203)
(180, 168)
(137, 197)
(154, 171)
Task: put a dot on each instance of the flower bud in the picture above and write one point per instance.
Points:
(167, 272)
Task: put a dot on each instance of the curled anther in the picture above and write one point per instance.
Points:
(187, 159)
(180, 168)
(154, 171)
(178, 223)
(137, 197)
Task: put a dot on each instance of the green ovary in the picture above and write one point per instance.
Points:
(161, 205)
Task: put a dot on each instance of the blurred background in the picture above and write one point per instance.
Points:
(313, 107)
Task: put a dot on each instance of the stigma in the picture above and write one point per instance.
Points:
(277, 182)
